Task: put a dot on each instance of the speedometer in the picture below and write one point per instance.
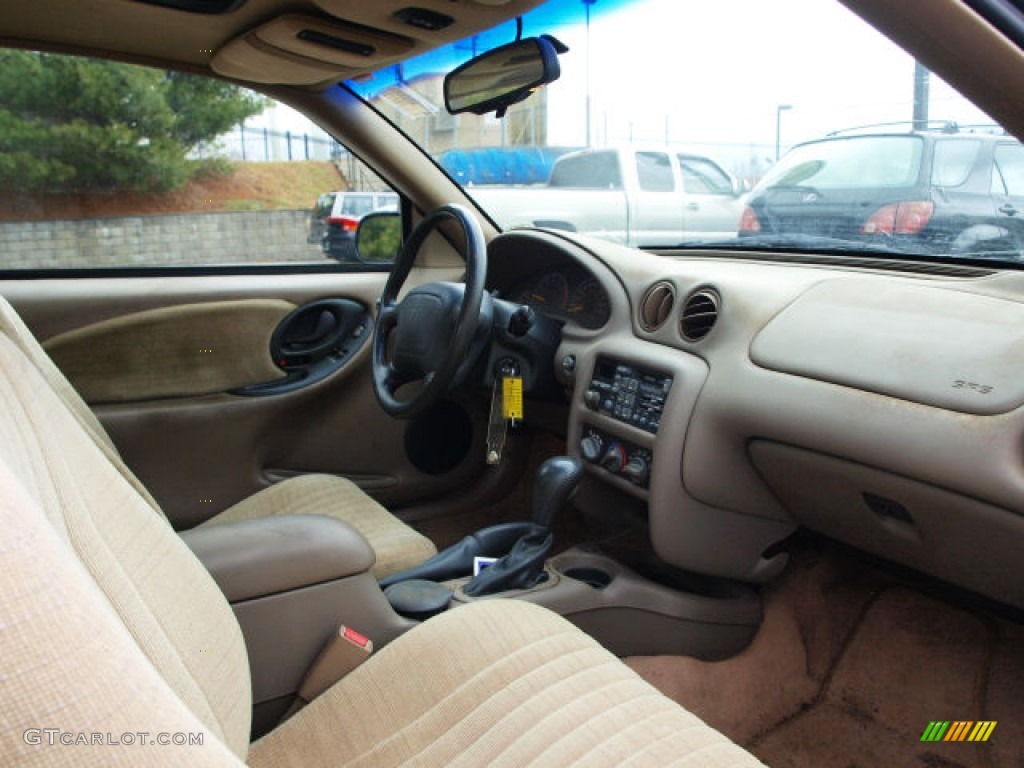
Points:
(589, 305)
(549, 293)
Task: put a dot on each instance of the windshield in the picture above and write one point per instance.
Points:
(676, 124)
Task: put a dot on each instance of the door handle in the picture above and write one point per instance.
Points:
(1008, 208)
(693, 206)
(312, 342)
(326, 324)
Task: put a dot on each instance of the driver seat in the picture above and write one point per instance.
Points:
(396, 545)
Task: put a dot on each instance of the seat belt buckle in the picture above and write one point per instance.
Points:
(343, 652)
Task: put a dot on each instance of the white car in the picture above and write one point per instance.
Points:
(335, 218)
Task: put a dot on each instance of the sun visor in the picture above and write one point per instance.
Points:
(303, 50)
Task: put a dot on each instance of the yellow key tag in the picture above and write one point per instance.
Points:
(512, 398)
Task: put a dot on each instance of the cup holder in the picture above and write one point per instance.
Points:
(595, 577)
(638, 606)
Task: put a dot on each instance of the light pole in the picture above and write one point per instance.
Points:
(586, 7)
(778, 127)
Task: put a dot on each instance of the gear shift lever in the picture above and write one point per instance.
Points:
(557, 481)
(522, 568)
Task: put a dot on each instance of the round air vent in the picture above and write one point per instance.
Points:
(700, 312)
(656, 306)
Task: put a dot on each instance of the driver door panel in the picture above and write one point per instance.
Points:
(174, 411)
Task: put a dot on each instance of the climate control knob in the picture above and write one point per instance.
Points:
(614, 459)
(637, 471)
(590, 448)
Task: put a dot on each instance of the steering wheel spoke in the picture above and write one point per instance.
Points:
(387, 314)
(397, 379)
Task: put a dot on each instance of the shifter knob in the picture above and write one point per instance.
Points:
(557, 481)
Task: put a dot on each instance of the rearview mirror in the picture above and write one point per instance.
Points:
(494, 81)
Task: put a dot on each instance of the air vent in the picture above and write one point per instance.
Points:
(700, 312)
(656, 306)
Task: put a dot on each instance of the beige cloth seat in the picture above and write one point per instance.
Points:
(114, 639)
(396, 545)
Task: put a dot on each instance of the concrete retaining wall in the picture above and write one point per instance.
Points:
(169, 240)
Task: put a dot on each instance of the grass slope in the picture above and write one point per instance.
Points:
(252, 187)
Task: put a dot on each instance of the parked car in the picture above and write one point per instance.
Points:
(335, 218)
(638, 196)
(928, 191)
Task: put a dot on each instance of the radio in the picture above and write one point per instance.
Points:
(629, 394)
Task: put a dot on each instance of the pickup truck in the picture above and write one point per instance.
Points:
(629, 195)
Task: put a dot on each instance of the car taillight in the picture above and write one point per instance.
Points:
(748, 221)
(907, 218)
(347, 223)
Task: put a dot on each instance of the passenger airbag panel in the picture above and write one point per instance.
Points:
(945, 348)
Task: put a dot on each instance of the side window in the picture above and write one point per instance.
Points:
(385, 202)
(355, 204)
(591, 170)
(953, 161)
(324, 203)
(1010, 163)
(654, 172)
(703, 177)
(200, 173)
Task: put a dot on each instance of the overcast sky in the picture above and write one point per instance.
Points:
(710, 76)
(715, 72)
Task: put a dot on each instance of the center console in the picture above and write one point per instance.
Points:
(291, 580)
(624, 394)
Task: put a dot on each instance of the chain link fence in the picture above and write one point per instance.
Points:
(260, 145)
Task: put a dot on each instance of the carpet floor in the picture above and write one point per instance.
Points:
(851, 665)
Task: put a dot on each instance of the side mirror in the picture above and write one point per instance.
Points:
(494, 81)
(379, 236)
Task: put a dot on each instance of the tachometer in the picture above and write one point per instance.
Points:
(589, 305)
(549, 294)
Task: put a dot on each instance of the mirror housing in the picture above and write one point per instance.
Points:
(379, 236)
(494, 81)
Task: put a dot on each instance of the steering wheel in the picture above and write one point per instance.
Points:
(434, 325)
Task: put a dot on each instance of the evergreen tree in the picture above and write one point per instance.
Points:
(75, 124)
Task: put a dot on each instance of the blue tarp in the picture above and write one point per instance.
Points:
(497, 165)
(545, 19)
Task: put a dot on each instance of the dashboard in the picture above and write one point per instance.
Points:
(878, 404)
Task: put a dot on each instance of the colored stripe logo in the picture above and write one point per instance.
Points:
(959, 730)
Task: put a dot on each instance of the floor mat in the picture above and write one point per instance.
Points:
(850, 668)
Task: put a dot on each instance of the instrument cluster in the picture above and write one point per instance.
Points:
(567, 293)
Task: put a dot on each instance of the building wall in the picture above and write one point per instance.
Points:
(167, 240)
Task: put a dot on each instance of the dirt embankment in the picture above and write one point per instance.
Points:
(252, 187)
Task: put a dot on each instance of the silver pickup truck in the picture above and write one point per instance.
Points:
(636, 196)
